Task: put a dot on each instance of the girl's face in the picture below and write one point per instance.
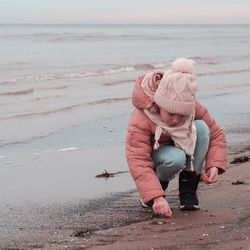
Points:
(172, 120)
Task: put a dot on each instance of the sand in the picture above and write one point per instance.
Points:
(223, 222)
(119, 222)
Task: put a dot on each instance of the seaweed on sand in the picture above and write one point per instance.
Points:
(240, 159)
(106, 174)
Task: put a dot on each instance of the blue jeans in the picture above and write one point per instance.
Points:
(169, 160)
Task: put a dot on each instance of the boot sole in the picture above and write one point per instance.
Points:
(144, 205)
(189, 207)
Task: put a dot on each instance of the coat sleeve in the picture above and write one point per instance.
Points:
(138, 154)
(217, 151)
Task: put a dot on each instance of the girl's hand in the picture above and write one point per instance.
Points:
(211, 176)
(161, 207)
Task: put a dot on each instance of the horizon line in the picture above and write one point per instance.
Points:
(125, 24)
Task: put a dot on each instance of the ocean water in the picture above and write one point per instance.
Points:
(65, 91)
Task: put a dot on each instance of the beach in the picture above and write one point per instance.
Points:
(65, 105)
(117, 221)
(222, 222)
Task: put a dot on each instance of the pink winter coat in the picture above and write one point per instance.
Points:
(140, 141)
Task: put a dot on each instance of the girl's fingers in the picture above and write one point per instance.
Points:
(210, 176)
(163, 210)
(207, 178)
(168, 214)
(213, 178)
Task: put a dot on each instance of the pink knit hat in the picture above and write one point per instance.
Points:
(177, 89)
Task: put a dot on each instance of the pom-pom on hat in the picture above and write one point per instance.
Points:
(177, 90)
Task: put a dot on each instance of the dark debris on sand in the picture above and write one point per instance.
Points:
(238, 182)
(240, 159)
(107, 174)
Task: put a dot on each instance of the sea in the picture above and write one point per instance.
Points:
(65, 98)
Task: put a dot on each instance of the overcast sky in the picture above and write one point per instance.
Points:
(125, 11)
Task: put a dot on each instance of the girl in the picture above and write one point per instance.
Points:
(171, 132)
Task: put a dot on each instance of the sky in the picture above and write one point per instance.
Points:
(125, 11)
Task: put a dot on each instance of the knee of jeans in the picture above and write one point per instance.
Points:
(203, 131)
(167, 170)
(177, 161)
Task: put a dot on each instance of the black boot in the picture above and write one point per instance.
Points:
(188, 183)
(164, 185)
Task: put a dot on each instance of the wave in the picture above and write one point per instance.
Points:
(46, 98)
(27, 140)
(107, 70)
(118, 82)
(66, 76)
(205, 60)
(19, 92)
(75, 75)
(233, 86)
(215, 95)
(68, 149)
(66, 108)
(56, 36)
(109, 100)
(223, 72)
(117, 70)
(8, 81)
(67, 37)
(58, 87)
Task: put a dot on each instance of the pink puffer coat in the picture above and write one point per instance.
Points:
(140, 141)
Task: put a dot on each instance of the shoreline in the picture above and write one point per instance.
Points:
(110, 221)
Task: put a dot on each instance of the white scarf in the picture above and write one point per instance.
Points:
(184, 136)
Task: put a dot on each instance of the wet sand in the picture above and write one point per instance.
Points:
(117, 221)
(222, 222)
